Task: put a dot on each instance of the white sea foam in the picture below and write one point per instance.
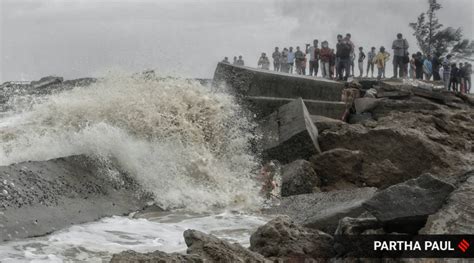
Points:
(183, 142)
(96, 242)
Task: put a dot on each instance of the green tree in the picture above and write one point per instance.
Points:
(433, 38)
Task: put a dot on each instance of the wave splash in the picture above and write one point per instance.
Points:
(183, 142)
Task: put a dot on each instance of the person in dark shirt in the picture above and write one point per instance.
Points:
(419, 65)
(454, 77)
(436, 66)
(343, 53)
(460, 77)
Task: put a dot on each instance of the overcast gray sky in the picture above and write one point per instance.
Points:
(79, 38)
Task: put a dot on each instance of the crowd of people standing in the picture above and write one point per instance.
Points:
(339, 63)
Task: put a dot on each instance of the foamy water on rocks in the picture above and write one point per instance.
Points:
(187, 144)
(96, 242)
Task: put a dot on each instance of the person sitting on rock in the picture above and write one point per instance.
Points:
(263, 62)
(226, 60)
(240, 61)
(235, 61)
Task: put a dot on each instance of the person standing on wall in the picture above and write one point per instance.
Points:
(314, 56)
(284, 61)
(299, 60)
(325, 55)
(276, 59)
(381, 60)
(400, 49)
(291, 60)
(419, 65)
(370, 62)
(447, 71)
(264, 62)
(361, 61)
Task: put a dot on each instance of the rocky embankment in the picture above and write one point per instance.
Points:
(401, 162)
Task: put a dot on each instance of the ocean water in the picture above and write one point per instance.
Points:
(97, 241)
(188, 144)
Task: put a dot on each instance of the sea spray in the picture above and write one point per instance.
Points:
(181, 141)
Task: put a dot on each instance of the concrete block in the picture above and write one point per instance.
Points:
(289, 133)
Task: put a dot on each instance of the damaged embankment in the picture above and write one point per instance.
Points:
(403, 164)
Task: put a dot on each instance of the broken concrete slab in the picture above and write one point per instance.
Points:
(264, 83)
(289, 133)
(324, 210)
(457, 215)
(404, 207)
(264, 106)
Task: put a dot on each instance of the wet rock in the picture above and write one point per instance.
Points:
(212, 249)
(43, 196)
(365, 104)
(324, 210)
(385, 151)
(404, 207)
(357, 226)
(385, 106)
(289, 133)
(457, 215)
(323, 123)
(338, 168)
(282, 238)
(46, 81)
(299, 177)
(156, 256)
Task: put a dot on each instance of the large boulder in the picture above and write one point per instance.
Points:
(338, 168)
(384, 150)
(457, 215)
(284, 239)
(324, 210)
(212, 249)
(298, 177)
(405, 207)
(289, 133)
(131, 256)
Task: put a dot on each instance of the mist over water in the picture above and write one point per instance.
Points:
(182, 141)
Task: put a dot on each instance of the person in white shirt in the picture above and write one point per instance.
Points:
(291, 60)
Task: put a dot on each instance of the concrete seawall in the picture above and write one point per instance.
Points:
(267, 90)
(37, 198)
